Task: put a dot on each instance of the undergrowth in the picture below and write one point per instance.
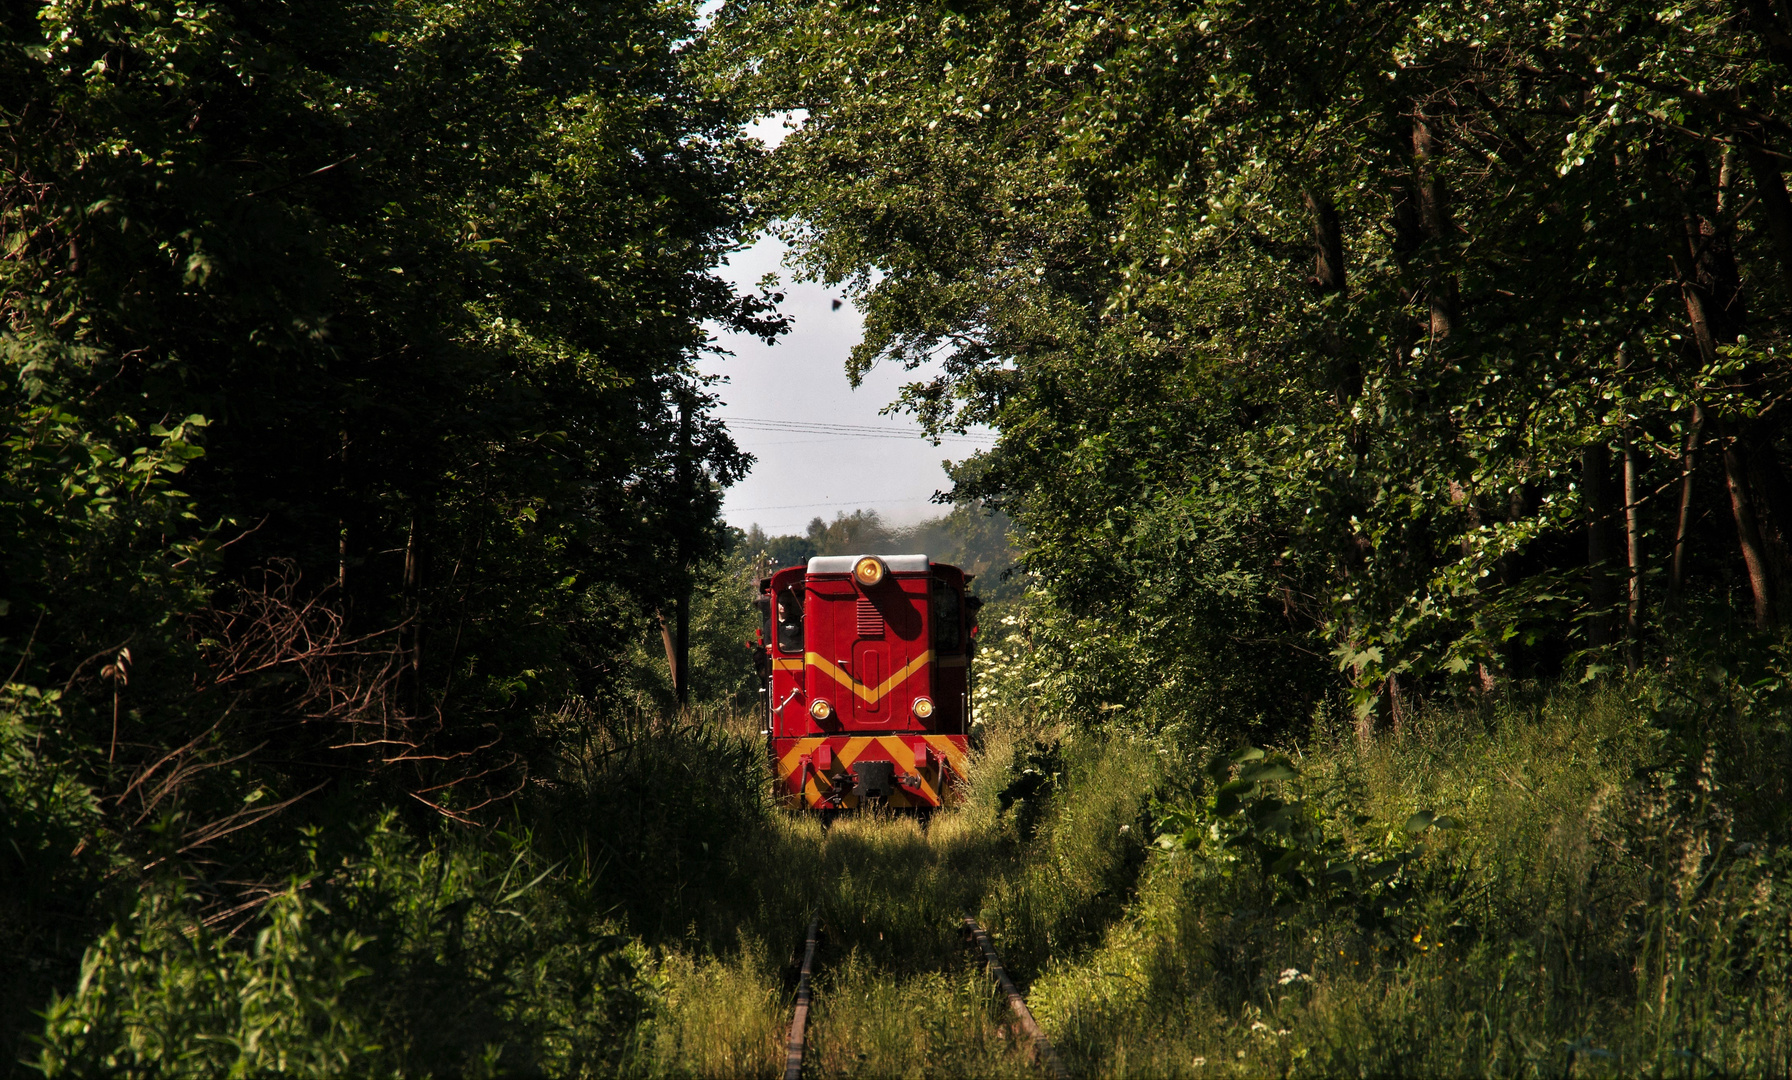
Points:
(1570, 882)
(1577, 880)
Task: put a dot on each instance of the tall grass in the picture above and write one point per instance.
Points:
(1570, 881)
(1596, 913)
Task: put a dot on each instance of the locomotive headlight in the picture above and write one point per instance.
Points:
(820, 709)
(870, 570)
(923, 708)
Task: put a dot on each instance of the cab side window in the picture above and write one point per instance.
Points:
(790, 622)
(948, 618)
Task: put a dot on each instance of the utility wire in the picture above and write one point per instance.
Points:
(811, 506)
(809, 427)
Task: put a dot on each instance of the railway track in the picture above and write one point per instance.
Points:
(799, 1020)
(1040, 1049)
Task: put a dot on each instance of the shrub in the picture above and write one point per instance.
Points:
(400, 958)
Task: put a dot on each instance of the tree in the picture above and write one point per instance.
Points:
(346, 346)
(1319, 326)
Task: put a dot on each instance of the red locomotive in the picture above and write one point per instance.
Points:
(867, 663)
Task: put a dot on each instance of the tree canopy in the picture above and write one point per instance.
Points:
(352, 423)
(1439, 337)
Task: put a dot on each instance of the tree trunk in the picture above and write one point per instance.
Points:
(1633, 531)
(681, 669)
(342, 520)
(1748, 533)
(1689, 463)
(1595, 475)
(1434, 218)
(411, 638)
(1328, 245)
(1771, 496)
(1776, 207)
(666, 639)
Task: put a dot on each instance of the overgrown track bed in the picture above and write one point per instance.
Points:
(1038, 1047)
(799, 1021)
(1043, 1054)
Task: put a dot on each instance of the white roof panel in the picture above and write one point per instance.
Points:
(842, 564)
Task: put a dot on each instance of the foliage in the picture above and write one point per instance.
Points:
(351, 428)
(1321, 330)
(428, 285)
(453, 959)
(724, 628)
(1546, 883)
(47, 817)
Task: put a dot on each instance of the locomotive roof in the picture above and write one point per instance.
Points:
(843, 564)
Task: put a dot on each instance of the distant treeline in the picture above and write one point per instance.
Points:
(970, 537)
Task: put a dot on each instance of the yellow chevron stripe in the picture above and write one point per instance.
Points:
(853, 748)
(870, 695)
(788, 763)
(898, 747)
(791, 664)
(951, 751)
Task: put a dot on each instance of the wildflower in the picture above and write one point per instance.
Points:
(1290, 975)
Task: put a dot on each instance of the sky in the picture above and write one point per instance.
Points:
(778, 399)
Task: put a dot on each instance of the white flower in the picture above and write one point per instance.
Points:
(1290, 975)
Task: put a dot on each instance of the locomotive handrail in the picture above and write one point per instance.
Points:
(788, 698)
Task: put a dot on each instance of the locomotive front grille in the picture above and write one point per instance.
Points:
(871, 620)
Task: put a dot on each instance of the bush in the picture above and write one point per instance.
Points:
(1602, 906)
(398, 959)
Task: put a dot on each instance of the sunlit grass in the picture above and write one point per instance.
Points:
(1580, 923)
(874, 1021)
(716, 1019)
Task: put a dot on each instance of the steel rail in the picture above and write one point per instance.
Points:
(799, 1021)
(1043, 1054)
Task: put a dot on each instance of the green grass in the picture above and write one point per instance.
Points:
(1611, 900)
(1594, 915)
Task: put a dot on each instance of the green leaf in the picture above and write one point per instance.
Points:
(1269, 770)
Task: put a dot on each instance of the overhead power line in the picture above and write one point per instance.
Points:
(841, 505)
(856, 431)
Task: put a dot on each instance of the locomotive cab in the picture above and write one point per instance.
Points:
(867, 661)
